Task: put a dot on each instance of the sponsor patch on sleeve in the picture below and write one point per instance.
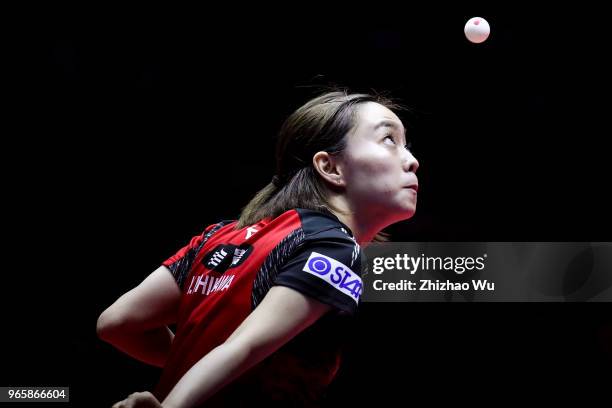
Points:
(335, 273)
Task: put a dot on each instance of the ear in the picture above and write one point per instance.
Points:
(329, 167)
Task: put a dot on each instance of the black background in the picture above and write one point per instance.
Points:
(129, 131)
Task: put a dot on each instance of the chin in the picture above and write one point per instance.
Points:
(406, 207)
(403, 213)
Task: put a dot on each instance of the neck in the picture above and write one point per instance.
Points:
(364, 226)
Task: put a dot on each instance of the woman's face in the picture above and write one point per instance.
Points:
(378, 169)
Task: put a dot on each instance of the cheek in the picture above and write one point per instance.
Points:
(372, 170)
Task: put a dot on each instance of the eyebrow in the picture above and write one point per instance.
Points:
(388, 123)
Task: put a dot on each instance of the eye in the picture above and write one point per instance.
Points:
(389, 137)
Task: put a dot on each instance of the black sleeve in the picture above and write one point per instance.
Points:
(328, 270)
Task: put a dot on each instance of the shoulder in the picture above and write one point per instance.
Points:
(325, 232)
(326, 265)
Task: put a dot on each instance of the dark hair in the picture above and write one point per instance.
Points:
(319, 125)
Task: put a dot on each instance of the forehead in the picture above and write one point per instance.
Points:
(371, 114)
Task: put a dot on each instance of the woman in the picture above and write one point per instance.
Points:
(261, 303)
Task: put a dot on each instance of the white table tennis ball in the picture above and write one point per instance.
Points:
(477, 29)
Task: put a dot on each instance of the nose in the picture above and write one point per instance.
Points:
(410, 163)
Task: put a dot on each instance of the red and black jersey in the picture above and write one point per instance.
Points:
(226, 272)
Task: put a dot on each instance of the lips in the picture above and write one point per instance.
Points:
(414, 187)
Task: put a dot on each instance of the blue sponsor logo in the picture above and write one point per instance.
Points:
(319, 265)
(335, 273)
